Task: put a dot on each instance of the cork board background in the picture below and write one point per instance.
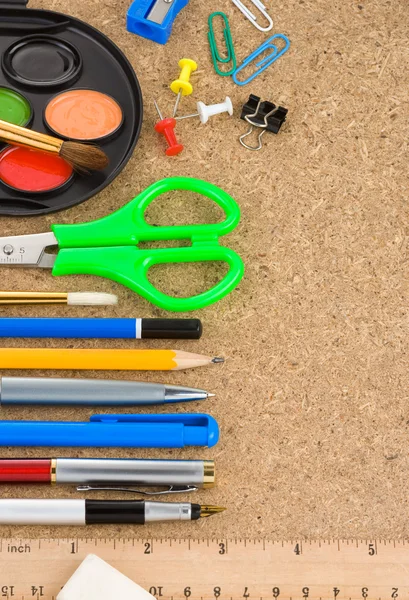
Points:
(313, 398)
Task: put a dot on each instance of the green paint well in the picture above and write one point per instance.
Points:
(14, 108)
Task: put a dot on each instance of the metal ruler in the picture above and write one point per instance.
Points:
(225, 569)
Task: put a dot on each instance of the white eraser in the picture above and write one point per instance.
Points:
(95, 579)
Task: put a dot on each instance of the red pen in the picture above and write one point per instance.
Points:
(110, 473)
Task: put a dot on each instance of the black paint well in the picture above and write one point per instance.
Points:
(42, 61)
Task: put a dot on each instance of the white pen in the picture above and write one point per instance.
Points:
(17, 511)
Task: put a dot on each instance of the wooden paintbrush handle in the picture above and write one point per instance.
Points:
(17, 298)
(20, 136)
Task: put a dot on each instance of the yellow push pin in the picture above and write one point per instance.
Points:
(182, 86)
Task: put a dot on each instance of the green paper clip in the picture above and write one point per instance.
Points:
(231, 56)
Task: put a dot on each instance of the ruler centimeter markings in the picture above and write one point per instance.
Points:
(216, 569)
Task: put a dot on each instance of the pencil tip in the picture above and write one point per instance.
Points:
(209, 395)
(207, 510)
(218, 359)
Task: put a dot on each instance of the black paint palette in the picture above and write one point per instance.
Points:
(43, 55)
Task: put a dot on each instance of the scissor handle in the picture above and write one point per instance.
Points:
(129, 266)
(127, 226)
(108, 246)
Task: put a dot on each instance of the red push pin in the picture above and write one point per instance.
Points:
(167, 128)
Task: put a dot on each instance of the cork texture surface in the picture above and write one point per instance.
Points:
(312, 400)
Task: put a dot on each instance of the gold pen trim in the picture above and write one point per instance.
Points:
(53, 471)
(209, 474)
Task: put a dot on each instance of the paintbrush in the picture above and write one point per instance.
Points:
(70, 298)
(82, 157)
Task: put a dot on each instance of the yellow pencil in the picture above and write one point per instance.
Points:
(101, 360)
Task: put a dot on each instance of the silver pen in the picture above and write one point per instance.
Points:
(111, 474)
(92, 392)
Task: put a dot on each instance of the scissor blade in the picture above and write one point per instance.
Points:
(27, 250)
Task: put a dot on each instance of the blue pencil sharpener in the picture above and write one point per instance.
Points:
(153, 19)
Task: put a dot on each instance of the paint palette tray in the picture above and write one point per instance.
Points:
(60, 76)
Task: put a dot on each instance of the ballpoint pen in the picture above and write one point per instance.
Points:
(111, 473)
(115, 431)
(16, 511)
(92, 392)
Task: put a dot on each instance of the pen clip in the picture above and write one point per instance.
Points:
(172, 489)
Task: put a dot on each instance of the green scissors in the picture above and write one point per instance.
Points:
(108, 247)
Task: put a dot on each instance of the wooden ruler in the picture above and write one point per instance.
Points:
(225, 569)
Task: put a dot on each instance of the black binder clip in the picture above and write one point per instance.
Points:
(263, 115)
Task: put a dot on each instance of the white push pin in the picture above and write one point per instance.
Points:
(204, 112)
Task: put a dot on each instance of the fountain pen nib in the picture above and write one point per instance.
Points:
(207, 511)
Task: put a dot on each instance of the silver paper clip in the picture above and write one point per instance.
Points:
(264, 62)
(172, 489)
(252, 17)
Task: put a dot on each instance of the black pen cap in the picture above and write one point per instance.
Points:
(171, 329)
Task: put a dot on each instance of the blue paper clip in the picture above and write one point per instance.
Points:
(153, 19)
(264, 62)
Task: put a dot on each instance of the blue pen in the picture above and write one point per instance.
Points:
(115, 431)
(170, 329)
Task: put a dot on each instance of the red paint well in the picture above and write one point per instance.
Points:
(33, 171)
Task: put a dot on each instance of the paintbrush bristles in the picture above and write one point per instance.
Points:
(84, 157)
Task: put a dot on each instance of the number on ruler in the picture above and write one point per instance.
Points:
(297, 549)
(73, 550)
(222, 547)
(156, 591)
(364, 592)
(394, 593)
(305, 592)
(371, 549)
(276, 592)
(217, 591)
(37, 591)
(7, 590)
(246, 593)
(148, 548)
(336, 592)
(187, 592)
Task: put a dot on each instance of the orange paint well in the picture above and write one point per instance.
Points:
(83, 115)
